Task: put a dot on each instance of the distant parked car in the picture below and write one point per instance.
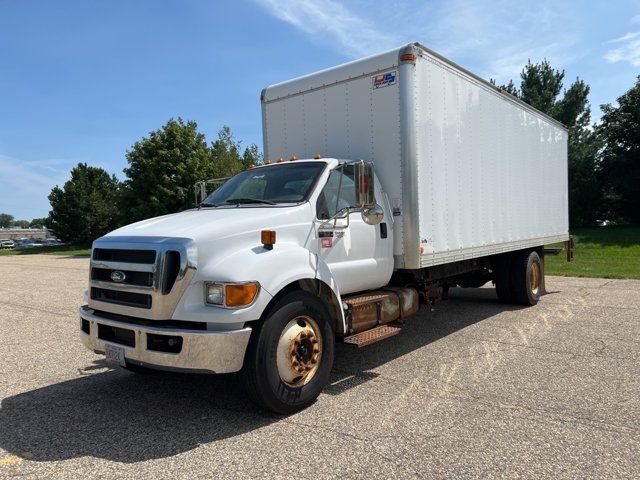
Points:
(7, 244)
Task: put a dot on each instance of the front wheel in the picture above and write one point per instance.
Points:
(290, 355)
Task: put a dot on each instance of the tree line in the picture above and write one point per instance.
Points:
(604, 164)
(9, 221)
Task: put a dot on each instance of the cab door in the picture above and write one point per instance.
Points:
(359, 255)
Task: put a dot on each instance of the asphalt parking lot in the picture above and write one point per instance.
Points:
(473, 389)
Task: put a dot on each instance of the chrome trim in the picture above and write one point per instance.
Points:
(224, 296)
(132, 267)
(123, 287)
(162, 305)
(219, 351)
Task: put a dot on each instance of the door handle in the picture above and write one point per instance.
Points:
(383, 230)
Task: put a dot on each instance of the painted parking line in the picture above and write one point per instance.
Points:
(15, 458)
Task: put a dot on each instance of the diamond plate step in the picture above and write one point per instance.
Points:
(372, 336)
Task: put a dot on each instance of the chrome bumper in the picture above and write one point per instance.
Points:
(202, 350)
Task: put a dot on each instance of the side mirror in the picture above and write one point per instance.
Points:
(364, 184)
(200, 191)
(372, 215)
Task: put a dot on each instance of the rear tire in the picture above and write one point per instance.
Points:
(527, 277)
(290, 354)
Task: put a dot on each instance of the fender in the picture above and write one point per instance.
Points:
(273, 269)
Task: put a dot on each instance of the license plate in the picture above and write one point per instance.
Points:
(114, 354)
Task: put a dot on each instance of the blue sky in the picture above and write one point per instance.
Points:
(80, 81)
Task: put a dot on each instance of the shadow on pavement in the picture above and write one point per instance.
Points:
(123, 417)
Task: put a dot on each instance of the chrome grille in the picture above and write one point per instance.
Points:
(140, 276)
(142, 279)
(129, 256)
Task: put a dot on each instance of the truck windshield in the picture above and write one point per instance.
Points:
(286, 183)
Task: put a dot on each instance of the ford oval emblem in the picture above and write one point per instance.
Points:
(118, 276)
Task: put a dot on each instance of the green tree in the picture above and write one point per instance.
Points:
(6, 220)
(541, 86)
(20, 224)
(37, 222)
(85, 208)
(251, 156)
(620, 173)
(163, 169)
(225, 154)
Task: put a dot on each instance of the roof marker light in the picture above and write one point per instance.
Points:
(268, 239)
(280, 160)
(317, 156)
(293, 158)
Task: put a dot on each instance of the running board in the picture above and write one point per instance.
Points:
(372, 336)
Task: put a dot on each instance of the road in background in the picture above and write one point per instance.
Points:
(475, 388)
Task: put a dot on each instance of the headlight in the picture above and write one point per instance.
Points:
(231, 295)
(214, 293)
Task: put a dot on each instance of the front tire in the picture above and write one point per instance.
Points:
(290, 354)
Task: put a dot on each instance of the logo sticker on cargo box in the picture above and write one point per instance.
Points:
(384, 80)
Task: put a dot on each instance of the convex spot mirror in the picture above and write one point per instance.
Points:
(372, 215)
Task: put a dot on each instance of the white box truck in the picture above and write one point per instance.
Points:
(405, 175)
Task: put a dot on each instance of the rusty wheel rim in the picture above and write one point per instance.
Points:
(535, 277)
(299, 351)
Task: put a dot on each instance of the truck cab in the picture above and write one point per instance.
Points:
(191, 291)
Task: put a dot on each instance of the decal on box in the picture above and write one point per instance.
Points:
(384, 80)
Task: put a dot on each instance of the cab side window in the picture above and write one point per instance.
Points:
(336, 196)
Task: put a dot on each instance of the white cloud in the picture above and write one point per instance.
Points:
(494, 38)
(25, 185)
(628, 51)
(329, 20)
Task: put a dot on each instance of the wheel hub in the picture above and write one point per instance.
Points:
(299, 351)
(535, 277)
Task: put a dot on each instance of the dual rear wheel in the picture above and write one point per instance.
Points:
(519, 277)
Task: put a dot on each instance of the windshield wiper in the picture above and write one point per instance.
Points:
(239, 201)
(204, 204)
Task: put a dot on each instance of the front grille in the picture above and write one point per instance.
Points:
(119, 297)
(156, 273)
(142, 279)
(127, 256)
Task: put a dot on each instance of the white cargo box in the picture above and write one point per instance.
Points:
(470, 170)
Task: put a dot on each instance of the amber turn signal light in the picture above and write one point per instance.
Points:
(239, 295)
(268, 238)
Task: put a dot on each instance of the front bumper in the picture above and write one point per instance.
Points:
(202, 350)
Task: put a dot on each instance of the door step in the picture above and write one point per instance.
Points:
(372, 336)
